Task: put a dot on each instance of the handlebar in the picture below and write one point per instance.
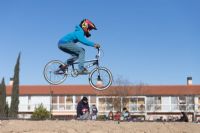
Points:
(98, 53)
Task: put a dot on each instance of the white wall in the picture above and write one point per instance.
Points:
(23, 103)
(35, 101)
(28, 103)
(166, 103)
(196, 103)
(8, 100)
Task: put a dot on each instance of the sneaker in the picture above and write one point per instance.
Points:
(83, 72)
(63, 67)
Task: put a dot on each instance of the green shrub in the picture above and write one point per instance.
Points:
(40, 113)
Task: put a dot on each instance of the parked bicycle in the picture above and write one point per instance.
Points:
(100, 78)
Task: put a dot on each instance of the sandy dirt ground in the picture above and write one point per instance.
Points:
(73, 126)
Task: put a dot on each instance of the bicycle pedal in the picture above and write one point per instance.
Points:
(59, 72)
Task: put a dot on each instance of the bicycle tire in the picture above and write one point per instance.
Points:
(50, 74)
(93, 78)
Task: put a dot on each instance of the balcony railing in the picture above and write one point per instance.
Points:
(63, 107)
(170, 107)
(31, 107)
(131, 107)
(141, 108)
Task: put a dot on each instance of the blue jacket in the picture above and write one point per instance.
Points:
(76, 36)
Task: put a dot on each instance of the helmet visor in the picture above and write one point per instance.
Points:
(91, 26)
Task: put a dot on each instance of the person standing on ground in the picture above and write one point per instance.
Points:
(83, 110)
(94, 112)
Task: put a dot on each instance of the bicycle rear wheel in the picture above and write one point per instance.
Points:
(53, 74)
(100, 78)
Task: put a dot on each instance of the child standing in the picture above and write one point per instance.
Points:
(94, 112)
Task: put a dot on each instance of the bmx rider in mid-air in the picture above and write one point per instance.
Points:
(68, 44)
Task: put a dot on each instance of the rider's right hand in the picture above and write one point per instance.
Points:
(97, 46)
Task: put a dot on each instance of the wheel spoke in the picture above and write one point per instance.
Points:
(53, 74)
(100, 78)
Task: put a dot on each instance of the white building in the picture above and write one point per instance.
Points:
(150, 102)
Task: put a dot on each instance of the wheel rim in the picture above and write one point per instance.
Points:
(105, 80)
(51, 75)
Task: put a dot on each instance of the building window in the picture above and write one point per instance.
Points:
(174, 104)
(55, 103)
(126, 102)
(29, 98)
(102, 104)
(137, 104)
(29, 107)
(92, 100)
(133, 104)
(61, 102)
(182, 103)
(185, 103)
(154, 103)
(182, 100)
(54, 99)
(157, 103)
(117, 104)
(141, 104)
(109, 104)
(61, 99)
(190, 103)
(69, 99)
(29, 102)
(69, 103)
(78, 98)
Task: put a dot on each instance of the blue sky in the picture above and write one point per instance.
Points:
(155, 42)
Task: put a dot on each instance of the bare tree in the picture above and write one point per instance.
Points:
(119, 93)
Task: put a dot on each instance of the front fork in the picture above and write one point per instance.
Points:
(99, 76)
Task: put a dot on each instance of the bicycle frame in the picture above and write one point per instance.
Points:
(93, 62)
(100, 78)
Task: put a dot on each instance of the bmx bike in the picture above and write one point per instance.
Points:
(100, 78)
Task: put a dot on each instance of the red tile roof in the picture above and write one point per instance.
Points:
(114, 90)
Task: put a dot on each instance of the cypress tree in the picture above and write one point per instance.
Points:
(2, 99)
(13, 111)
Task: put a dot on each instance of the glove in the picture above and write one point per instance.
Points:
(97, 46)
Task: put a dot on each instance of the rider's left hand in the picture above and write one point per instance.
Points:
(97, 46)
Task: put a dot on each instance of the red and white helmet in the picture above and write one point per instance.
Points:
(88, 25)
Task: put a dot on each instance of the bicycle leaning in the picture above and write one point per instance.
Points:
(100, 78)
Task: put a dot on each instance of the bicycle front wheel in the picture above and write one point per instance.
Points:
(100, 78)
(53, 74)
